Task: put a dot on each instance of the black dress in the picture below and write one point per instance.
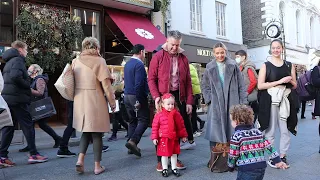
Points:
(274, 73)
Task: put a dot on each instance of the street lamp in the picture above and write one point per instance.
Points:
(275, 29)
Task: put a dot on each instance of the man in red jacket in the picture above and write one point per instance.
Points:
(169, 73)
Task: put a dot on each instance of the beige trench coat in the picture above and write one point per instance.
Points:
(92, 81)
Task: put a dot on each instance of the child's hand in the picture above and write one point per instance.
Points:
(184, 139)
(282, 165)
(155, 141)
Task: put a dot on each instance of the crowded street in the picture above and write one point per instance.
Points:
(304, 160)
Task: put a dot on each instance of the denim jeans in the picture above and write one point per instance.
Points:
(256, 174)
(20, 114)
(138, 123)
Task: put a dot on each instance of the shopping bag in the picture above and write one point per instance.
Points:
(65, 83)
(5, 115)
(42, 108)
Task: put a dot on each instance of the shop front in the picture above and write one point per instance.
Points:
(200, 50)
(117, 24)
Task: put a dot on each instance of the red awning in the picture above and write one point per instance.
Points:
(138, 29)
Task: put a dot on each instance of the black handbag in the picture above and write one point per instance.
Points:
(42, 108)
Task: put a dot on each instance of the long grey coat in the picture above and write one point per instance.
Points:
(220, 99)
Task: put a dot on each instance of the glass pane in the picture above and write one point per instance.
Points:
(90, 21)
(6, 21)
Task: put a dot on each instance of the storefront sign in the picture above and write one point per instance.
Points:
(204, 52)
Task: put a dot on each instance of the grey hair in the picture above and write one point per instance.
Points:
(175, 34)
(90, 43)
(37, 68)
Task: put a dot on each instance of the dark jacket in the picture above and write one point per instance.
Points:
(159, 76)
(135, 80)
(16, 80)
(34, 86)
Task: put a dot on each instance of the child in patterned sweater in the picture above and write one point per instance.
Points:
(248, 146)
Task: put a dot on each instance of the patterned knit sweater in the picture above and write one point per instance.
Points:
(247, 148)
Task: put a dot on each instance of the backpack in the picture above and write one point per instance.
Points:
(305, 88)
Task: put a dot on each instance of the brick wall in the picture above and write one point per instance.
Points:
(251, 19)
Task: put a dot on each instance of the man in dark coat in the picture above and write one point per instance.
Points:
(17, 94)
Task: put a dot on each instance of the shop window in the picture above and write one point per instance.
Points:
(196, 15)
(90, 21)
(312, 34)
(6, 21)
(221, 18)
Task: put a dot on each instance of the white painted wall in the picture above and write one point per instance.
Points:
(180, 19)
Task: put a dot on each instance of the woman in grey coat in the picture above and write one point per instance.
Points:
(222, 87)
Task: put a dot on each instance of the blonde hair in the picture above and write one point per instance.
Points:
(37, 68)
(90, 43)
(19, 44)
(161, 101)
(220, 45)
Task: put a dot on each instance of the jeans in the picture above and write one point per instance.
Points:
(20, 114)
(119, 117)
(46, 128)
(255, 174)
(69, 129)
(138, 123)
(183, 111)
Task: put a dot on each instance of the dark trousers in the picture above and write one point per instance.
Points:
(255, 107)
(194, 116)
(183, 111)
(138, 123)
(46, 128)
(96, 139)
(20, 114)
(256, 174)
(303, 108)
(69, 129)
(119, 118)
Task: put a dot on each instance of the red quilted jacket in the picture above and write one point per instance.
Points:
(160, 126)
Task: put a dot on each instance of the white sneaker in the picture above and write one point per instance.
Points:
(196, 134)
(188, 146)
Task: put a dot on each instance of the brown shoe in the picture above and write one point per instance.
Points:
(180, 165)
(133, 147)
(159, 167)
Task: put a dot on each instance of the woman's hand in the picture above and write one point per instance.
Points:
(155, 141)
(285, 80)
(184, 139)
(113, 107)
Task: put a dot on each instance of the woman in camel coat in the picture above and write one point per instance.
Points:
(91, 115)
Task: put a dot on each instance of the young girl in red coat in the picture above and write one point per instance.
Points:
(167, 128)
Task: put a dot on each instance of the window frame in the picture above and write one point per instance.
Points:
(8, 44)
(196, 24)
(298, 28)
(221, 18)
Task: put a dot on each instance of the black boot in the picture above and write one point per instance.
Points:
(26, 149)
(176, 172)
(165, 173)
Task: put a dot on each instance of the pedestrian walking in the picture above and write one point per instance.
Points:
(222, 86)
(17, 94)
(169, 73)
(196, 91)
(250, 76)
(39, 90)
(167, 128)
(91, 115)
(276, 103)
(136, 98)
(249, 140)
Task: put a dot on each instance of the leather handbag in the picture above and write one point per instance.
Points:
(42, 108)
(218, 162)
(65, 83)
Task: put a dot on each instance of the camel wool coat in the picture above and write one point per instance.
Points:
(92, 81)
(220, 99)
